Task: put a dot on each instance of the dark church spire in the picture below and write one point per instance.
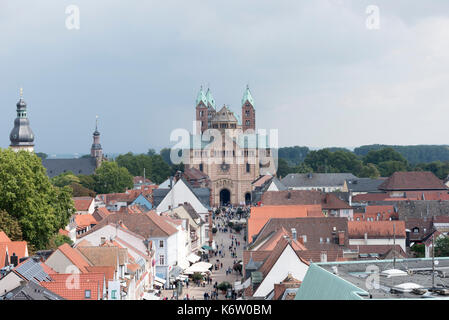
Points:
(21, 136)
(96, 151)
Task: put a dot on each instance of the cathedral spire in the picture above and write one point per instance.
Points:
(210, 99)
(21, 136)
(201, 98)
(247, 96)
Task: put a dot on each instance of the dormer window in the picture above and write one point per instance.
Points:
(87, 294)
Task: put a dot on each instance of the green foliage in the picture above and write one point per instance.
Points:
(302, 168)
(413, 154)
(383, 155)
(223, 286)
(29, 197)
(157, 170)
(325, 161)
(10, 226)
(165, 154)
(369, 171)
(293, 155)
(387, 168)
(87, 181)
(418, 250)
(42, 155)
(64, 179)
(58, 240)
(110, 178)
(151, 152)
(197, 276)
(442, 247)
(80, 191)
(440, 169)
(283, 168)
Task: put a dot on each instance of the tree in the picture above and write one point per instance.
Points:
(58, 240)
(29, 197)
(387, 168)
(80, 191)
(151, 152)
(110, 178)
(87, 181)
(369, 171)
(383, 155)
(64, 179)
(419, 250)
(10, 226)
(302, 168)
(165, 154)
(283, 168)
(41, 155)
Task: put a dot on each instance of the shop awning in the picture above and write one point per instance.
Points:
(206, 247)
(198, 267)
(183, 264)
(159, 281)
(193, 258)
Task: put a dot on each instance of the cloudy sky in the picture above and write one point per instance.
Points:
(317, 73)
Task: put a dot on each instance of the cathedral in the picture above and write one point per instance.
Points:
(22, 138)
(227, 150)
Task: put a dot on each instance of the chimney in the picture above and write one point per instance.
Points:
(14, 260)
(294, 235)
(341, 238)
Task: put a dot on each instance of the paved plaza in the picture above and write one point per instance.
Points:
(220, 238)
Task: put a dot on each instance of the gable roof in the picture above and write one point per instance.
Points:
(4, 237)
(31, 291)
(100, 213)
(82, 203)
(74, 256)
(147, 224)
(313, 228)
(84, 220)
(33, 270)
(273, 240)
(364, 184)
(303, 197)
(260, 215)
(87, 281)
(19, 248)
(268, 264)
(78, 166)
(320, 284)
(316, 179)
(105, 256)
(413, 180)
(376, 229)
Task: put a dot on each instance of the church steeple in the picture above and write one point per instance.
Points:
(21, 136)
(96, 151)
(248, 111)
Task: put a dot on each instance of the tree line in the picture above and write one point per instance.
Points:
(375, 163)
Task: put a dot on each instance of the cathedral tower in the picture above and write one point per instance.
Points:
(248, 111)
(21, 136)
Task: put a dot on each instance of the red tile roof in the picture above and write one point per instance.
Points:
(19, 248)
(75, 257)
(63, 232)
(76, 290)
(261, 180)
(271, 243)
(84, 220)
(259, 216)
(413, 180)
(4, 237)
(82, 203)
(376, 229)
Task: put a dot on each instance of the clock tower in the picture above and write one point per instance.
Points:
(21, 136)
